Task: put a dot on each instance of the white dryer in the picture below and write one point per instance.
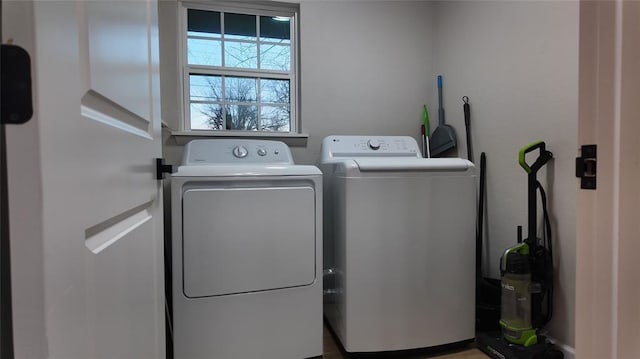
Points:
(399, 244)
(247, 243)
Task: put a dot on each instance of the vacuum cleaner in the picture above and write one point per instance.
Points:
(526, 280)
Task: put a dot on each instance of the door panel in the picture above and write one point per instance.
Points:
(118, 296)
(98, 128)
(117, 32)
(119, 136)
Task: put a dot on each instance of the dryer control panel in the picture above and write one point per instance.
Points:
(236, 151)
(370, 146)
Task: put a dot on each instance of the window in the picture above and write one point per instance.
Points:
(240, 69)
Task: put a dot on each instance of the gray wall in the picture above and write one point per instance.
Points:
(366, 69)
(368, 66)
(518, 63)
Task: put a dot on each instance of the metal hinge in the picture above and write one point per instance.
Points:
(586, 166)
(161, 168)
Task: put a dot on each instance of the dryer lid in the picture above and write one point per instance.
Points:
(246, 170)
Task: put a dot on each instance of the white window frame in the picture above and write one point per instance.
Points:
(292, 75)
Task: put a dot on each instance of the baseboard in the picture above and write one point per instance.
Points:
(569, 352)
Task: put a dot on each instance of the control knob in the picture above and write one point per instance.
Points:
(240, 151)
(374, 144)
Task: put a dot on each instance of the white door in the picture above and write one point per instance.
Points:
(85, 207)
(608, 270)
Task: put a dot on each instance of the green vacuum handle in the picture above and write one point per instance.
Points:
(544, 157)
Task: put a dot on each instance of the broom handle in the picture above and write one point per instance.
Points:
(440, 107)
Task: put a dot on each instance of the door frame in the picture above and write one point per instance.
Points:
(24, 180)
(606, 263)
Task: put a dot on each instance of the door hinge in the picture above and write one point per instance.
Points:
(17, 104)
(586, 166)
(161, 168)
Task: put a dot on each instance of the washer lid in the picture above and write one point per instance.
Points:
(227, 170)
(412, 164)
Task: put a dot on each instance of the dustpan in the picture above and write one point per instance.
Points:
(444, 137)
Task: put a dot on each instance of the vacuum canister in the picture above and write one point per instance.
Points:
(516, 284)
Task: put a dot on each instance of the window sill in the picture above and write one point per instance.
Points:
(291, 139)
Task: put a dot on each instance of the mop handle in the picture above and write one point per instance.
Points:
(440, 107)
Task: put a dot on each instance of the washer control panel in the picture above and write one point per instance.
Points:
(370, 146)
(374, 144)
(235, 152)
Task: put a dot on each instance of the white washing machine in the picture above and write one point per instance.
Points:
(247, 243)
(399, 244)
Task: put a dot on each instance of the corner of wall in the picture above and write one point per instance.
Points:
(522, 82)
(170, 82)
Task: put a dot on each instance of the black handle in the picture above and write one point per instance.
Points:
(161, 168)
(16, 98)
(467, 113)
(467, 125)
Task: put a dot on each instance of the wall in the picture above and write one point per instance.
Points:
(365, 68)
(518, 63)
(170, 82)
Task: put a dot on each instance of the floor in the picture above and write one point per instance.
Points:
(332, 350)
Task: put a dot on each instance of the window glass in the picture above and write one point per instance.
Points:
(203, 23)
(238, 71)
(275, 28)
(241, 54)
(275, 118)
(242, 117)
(204, 52)
(274, 91)
(275, 57)
(240, 89)
(205, 116)
(239, 26)
(205, 88)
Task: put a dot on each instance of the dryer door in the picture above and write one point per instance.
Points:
(239, 240)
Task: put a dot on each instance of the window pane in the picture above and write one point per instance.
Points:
(275, 57)
(274, 91)
(240, 54)
(275, 118)
(206, 116)
(240, 89)
(241, 117)
(239, 70)
(239, 26)
(203, 23)
(205, 88)
(204, 52)
(275, 28)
